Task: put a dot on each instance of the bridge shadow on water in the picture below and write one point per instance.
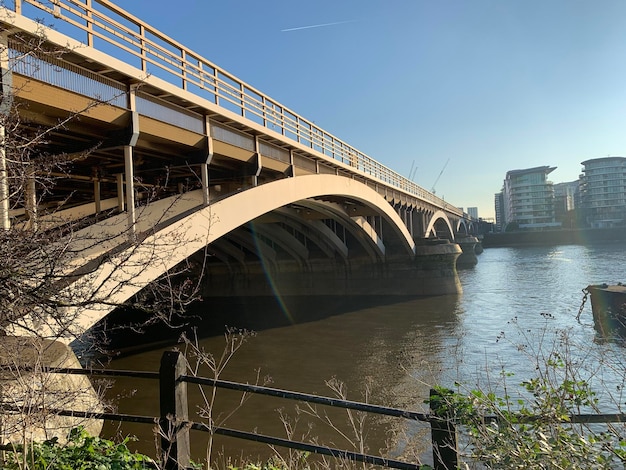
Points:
(397, 342)
(128, 331)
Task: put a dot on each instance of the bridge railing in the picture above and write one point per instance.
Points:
(104, 26)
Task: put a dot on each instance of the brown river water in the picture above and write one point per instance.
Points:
(516, 302)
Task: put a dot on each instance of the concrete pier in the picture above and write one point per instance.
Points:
(37, 393)
(468, 257)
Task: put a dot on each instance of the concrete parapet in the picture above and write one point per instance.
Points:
(35, 394)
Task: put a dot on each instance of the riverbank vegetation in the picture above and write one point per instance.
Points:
(80, 452)
(563, 416)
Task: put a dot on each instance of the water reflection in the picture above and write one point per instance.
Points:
(397, 348)
(517, 303)
(521, 303)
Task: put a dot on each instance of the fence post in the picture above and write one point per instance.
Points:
(443, 435)
(174, 411)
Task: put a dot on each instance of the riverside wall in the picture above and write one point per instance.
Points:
(555, 237)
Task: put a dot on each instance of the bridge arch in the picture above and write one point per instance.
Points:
(321, 235)
(439, 220)
(126, 273)
(462, 227)
(368, 238)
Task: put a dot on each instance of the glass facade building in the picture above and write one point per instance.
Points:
(603, 191)
(528, 198)
(499, 206)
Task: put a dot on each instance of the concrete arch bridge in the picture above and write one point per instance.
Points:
(173, 156)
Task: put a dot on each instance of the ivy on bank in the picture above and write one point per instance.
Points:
(81, 452)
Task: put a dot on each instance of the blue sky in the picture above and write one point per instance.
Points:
(491, 85)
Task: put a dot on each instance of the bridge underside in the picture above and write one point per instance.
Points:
(432, 274)
(289, 237)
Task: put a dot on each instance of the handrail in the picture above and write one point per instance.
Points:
(588, 418)
(321, 400)
(171, 376)
(160, 55)
(257, 389)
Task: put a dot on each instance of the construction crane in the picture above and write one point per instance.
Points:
(412, 171)
(437, 180)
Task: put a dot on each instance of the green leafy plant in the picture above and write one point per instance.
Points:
(269, 465)
(537, 428)
(81, 452)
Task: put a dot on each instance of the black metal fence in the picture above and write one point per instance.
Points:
(175, 425)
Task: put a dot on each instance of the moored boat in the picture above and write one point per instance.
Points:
(608, 305)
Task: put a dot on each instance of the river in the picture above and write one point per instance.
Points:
(516, 303)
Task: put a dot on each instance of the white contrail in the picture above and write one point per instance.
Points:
(316, 26)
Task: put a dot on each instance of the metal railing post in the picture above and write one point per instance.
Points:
(443, 435)
(174, 412)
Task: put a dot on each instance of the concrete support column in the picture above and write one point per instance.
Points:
(420, 222)
(259, 163)
(378, 220)
(204, 167)
(204, 171)
(130, 189)
(291, 171)
(119, 177)
(468, 246)
(405, 214)
(129, 167)
(96, 195)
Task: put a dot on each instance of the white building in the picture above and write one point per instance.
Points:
(528, 198)
(603, 191)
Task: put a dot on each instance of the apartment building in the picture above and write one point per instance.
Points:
(473, 212)
(527, 199)
(565, 197)
(603, 191)
(498, 201)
